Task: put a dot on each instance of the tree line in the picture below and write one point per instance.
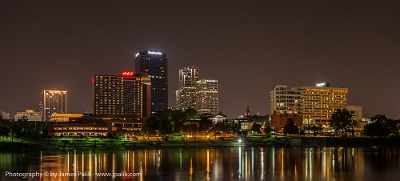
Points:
(22, 130)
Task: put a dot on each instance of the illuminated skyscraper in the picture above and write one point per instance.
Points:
(155, 65)
(54, 101)
(121, 95)
(207, 96)
(186, 95)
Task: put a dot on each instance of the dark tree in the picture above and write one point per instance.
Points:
(220, 127)
(341, 120)
(206, 125)
(150, 126)
(191, 114)
(291, 128)
(4, 131)
(256, 128)
(380, 127)
(268, 130)
(164, 128)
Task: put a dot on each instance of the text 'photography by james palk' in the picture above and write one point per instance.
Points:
(51, 174)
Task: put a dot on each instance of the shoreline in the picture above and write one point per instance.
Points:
(103, 144)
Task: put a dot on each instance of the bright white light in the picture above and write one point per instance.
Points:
(320, 84)
(154, 53)
(137, 55)
(239, 140)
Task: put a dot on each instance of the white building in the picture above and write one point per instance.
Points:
(284, 101)
(207, 97)
(30, 114)
(186, 95)
(4, 115)
(356, 111)
(218, 118)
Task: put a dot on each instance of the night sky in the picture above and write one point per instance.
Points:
(249, 46)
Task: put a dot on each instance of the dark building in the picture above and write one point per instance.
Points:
(121, 95)
(155, 65)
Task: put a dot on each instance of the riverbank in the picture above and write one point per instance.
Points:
(245, 141)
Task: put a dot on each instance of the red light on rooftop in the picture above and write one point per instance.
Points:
(127, 73)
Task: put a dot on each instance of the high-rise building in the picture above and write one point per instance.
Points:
(207, 96)
(315, 104)
(121, 95)
(54, 101)
(155, 65)
(186, 95)
(284, 101)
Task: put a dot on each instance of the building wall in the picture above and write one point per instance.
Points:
(30, 114)
(155, 65)
(55, 117)
(121, 95)
(356, 111)
(54, 101)
(319, 103)
(280, 120)
(207, 97)
(284, 101)
(188, 77)
(315, 104)
(4, 115)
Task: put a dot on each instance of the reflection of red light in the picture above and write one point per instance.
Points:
(127, 73)
(92, 80)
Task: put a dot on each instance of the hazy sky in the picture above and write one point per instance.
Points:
(249, 46)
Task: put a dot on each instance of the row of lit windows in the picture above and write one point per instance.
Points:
(80, 128)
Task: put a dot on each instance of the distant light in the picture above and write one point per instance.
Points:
(323, 84)
(154, 53)
(137, 55)
(239, 140)
(127, 73)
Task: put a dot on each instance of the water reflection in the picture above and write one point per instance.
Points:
(240, 163)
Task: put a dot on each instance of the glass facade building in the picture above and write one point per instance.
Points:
(155, 65)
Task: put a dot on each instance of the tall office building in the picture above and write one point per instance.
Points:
(315, 104)
(54, 101)
(207, 96)
(121, 95)
(186, 95)
(155, 65)
(284, 101)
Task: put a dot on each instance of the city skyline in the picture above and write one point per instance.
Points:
(250, 47)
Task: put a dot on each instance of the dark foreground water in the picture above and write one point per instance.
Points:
(239, 163)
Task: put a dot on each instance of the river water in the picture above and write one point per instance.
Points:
(235, 163)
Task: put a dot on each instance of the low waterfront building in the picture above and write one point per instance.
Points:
(55, 117)
(89, 125)
(4, 115)
(30, 114)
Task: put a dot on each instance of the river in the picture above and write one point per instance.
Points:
(232, 163)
